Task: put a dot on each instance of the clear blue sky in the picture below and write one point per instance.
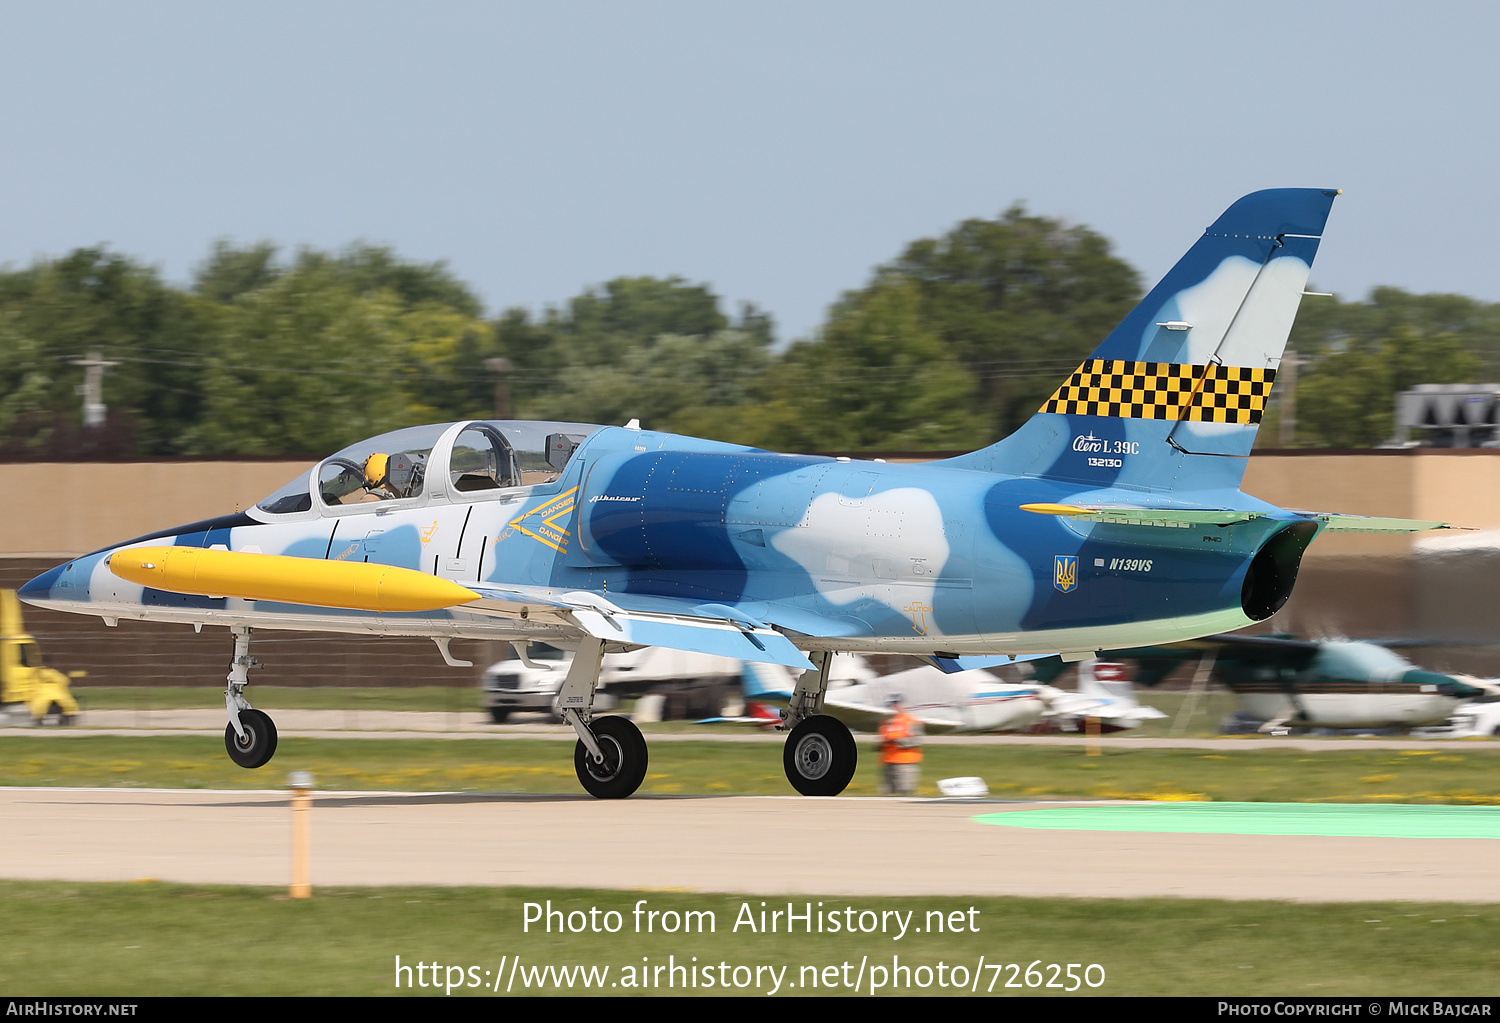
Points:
(777, 151)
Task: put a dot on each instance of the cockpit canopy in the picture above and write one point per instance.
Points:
(481, 456)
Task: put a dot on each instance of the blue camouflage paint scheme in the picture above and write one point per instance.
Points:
(935, 558)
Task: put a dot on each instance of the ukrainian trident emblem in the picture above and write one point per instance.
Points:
(1065, 572)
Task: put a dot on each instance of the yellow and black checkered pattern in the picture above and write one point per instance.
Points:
(1164, 390)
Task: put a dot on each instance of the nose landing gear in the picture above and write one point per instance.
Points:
(610, 757)
(624, 765)
(250, 736)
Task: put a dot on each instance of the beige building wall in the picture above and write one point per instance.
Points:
(1459, 487)
(65, 509)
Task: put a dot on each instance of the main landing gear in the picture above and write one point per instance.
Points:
(250, 736)
(820, 755)
(610, 757)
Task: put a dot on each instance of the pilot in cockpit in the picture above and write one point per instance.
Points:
(393, 476)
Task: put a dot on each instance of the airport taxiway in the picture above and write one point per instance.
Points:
(756, 844)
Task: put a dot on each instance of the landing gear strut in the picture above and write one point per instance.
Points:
(820, 755)
(610, 757)
(250, 736)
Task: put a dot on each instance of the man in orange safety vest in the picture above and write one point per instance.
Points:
(900, 750)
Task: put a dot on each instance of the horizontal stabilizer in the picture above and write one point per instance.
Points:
(359, 586)
(1334, 523)
(1187, 518)
(1129, 515)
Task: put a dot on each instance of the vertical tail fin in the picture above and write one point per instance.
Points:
(1173, 397)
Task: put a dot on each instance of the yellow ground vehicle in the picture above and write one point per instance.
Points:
(26, 684)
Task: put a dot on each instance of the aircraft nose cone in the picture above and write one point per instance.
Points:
(1432, 681)
(40, 588)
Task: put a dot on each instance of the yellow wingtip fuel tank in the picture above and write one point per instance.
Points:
(215, 573)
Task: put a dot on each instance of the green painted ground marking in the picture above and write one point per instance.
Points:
(1359, 820)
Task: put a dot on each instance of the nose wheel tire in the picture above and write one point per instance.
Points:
(259, 743)
(624, 766)
(820, 756)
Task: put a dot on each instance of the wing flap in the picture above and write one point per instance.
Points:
(699, 635)
(637, 620)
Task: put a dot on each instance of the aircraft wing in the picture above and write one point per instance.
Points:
(1063, 704)
(1104, 710)
(862, 717)
(633, 620)
(638, 620)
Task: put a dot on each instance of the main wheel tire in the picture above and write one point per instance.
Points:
(625, 758)
(820, 756)
(498, 715)
(259, 744)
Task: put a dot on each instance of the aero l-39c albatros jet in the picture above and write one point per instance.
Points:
(1112, 518)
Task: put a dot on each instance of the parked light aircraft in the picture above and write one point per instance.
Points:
(1113, 517)
(1104, 693)
(685, 679)
(960, 702)
(1284, 682)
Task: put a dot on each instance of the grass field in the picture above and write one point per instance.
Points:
(159, 939)
(713, 768)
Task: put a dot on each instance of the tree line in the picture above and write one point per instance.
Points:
(949, 346)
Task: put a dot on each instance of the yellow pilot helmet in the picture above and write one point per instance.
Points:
(376, 469)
